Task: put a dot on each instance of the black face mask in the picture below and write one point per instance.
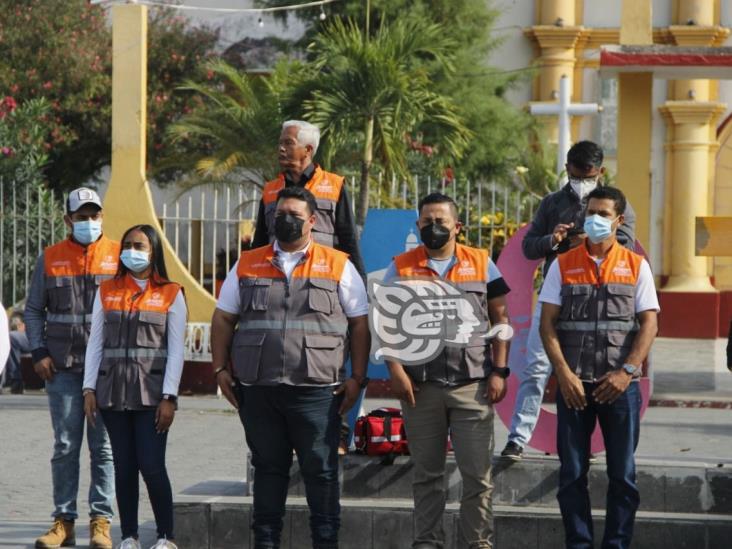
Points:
(434, 236)
(288, 228)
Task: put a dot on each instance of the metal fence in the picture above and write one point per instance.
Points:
(30, 219)
(208, 226)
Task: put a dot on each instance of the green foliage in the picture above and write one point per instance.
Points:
(234, 129)
(26, 204)
(370, 93)
(24, 134)
(500, 131)
(62, 51)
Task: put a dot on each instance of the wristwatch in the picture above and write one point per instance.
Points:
(503, 372)
(171, 398)
(630, 369)
(362, 383)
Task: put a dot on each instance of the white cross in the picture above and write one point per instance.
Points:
(564, 109)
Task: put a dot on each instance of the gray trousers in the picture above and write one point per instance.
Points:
(468, 416)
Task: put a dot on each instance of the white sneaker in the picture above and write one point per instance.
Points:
(164, 544)
(129, 543)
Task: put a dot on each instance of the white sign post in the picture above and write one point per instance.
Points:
(564, 109)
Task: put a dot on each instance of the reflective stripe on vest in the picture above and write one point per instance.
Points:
(135, 342)
(295, 331)
(597, 318)
(135, 353)
(68, 319)
(301, 325)
(602, 325)
(326, 188)
(72, 274)
(469, 273)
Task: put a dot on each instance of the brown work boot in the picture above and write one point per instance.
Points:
(61, 534)
(100, 536)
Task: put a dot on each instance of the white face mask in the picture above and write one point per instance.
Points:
(583, 187)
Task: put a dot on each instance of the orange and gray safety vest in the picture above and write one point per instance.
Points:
(597, 321)
(135, 342)
(326, 187)
(72, 275)
(454, 365)
(292, 332)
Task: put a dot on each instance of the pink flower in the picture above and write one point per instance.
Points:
(7, 151)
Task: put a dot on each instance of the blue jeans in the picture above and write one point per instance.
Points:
(620, 424)
(277, 420)
(67, 417)
(139, 449)
(533, 382)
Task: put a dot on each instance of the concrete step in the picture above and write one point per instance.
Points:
(672, 486)
(223, 521)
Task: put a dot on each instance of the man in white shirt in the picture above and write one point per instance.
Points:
(598, 321)
(288, 316)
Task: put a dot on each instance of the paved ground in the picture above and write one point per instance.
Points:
(207, 440)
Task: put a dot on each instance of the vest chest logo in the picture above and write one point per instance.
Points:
(413, 320)
(109, 262)
(622, 269)
(320, 266)
(324, 187)
(112, 298)
(261, 265)
(466, 268)
(576, 270)
(60, 263)
(155, 300)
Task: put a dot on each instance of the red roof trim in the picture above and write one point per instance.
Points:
(623, 59)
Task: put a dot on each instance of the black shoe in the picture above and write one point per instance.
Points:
(16, 388)
(512, 451)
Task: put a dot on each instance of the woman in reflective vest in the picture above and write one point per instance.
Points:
(134, 363)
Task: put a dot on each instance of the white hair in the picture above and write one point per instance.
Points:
(307, 133)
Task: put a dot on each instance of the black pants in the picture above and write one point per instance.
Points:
(277, 420)
(137, 448)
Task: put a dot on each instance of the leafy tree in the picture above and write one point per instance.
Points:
(62, 51)
(232, 132)
(372, 92)
(500, 131)
(29, 213)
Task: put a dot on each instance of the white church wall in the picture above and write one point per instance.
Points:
(602, 13)
(515, 52)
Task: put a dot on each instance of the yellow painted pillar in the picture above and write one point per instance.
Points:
(635, 107)
(694, 27)
(689, 122)
(128, 200)
(557, 36)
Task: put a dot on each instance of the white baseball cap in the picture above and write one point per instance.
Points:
(80, 197)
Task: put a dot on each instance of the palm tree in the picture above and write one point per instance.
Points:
(371, 92)
(233, 132)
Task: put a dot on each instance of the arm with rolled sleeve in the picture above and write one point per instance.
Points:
(537, 242)
(95, 346)
(35, 312)
(177, 316)
(354, 301)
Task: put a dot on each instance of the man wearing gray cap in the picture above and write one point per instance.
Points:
(58, 316)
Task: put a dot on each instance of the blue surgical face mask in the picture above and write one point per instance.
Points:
(598, 228)
(135, 260)
(86, 232)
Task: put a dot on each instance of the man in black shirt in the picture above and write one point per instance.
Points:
(334, 224)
